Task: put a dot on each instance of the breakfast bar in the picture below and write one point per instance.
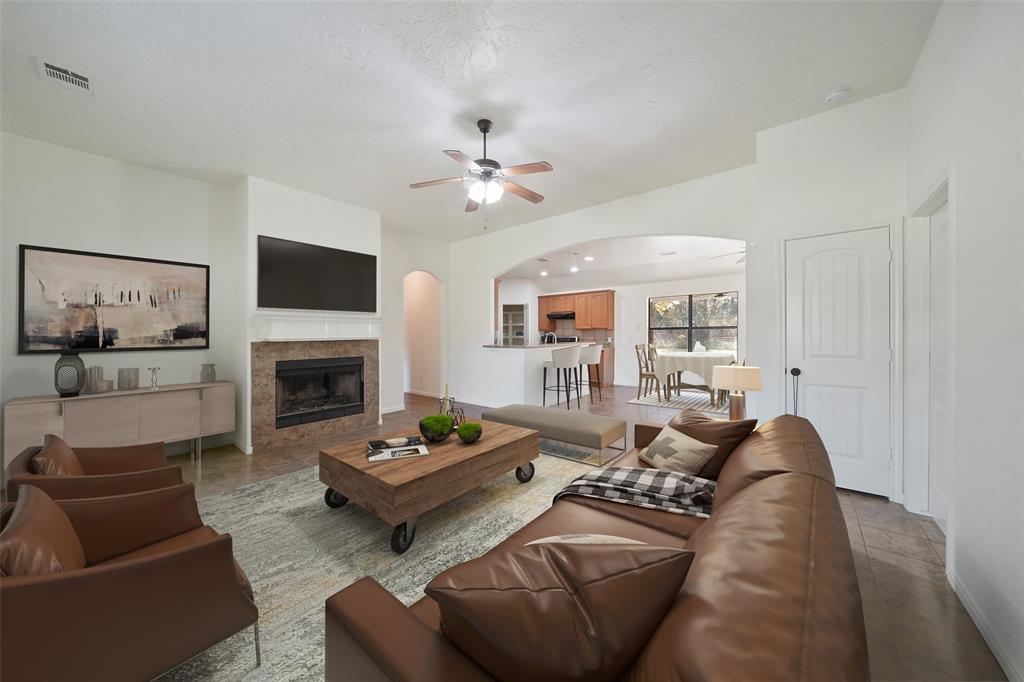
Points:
(518, 373)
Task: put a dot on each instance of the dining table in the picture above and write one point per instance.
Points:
(701, 363)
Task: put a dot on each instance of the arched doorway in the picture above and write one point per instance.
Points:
(423, 316)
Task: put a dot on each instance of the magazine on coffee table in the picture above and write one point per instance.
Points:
(385, 454)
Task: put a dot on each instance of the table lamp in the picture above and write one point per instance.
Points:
(737, 379)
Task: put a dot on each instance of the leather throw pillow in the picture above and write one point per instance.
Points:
(56, 458)
(722, 433)
(675, 451)
(559, 612)
(39, 537)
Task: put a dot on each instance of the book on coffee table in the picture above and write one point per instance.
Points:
(385, 454)
(399, 442)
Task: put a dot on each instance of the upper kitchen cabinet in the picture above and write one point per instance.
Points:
(593, 309)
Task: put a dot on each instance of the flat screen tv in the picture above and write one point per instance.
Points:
(309, 277)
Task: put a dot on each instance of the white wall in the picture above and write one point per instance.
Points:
(631, 316)
(516, 291)
(402, 253)
(965, 114)
(842, 169)
(58, 197)
(423, 306)
(721, 205)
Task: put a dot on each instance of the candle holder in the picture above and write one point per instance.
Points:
(154, 378)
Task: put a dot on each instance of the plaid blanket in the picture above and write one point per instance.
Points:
(642, 487)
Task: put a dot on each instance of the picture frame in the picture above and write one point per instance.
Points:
(92, 302)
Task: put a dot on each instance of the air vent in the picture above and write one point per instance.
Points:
(543, 260)
(60, 75)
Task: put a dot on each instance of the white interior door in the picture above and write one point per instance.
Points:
(837, 334)
(940, 375)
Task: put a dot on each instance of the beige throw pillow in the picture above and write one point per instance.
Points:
(675, 451)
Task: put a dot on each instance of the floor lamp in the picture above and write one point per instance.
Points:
(737, 379)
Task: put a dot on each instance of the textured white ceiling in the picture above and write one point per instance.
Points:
(632, 260)
(357, 100)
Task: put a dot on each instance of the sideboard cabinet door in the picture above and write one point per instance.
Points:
(168, 417)
(26, 424)
(217, 410)
(102, 421)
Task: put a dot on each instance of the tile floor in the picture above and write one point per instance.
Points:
(916, 626)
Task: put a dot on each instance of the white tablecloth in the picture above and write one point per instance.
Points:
(672, 361)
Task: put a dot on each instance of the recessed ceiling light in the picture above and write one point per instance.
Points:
(667, 253)
(574, 269)
(837, 95)
(543, 273)
(588, 258)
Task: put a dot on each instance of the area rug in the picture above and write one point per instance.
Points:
(695, 400)
(297, 552)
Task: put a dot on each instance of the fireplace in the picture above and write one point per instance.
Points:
(318, 389)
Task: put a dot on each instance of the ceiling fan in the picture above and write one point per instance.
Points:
(742, 256)
(487, 180)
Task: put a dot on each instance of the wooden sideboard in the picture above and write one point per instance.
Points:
(175, 412)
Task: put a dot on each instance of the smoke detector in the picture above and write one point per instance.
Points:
(837, 95)
(63, 76)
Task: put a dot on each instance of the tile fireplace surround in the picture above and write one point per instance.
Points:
(265, 354)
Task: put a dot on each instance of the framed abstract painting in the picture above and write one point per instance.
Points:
(97, 302)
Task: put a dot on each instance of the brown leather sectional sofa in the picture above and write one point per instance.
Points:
(771, 594)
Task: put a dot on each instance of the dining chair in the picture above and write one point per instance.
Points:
(646, 367)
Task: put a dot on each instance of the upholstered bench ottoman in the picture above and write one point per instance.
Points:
(577, 428)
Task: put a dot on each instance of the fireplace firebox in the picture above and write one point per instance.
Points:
(315, 390)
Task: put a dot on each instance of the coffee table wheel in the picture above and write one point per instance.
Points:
(402, 537)
(334, 499)
(525, 472)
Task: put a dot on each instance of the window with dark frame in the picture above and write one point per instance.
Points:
(679, 322)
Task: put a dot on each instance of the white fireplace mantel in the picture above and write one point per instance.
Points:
(301, 325)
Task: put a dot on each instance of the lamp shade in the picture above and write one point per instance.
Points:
(736, 378)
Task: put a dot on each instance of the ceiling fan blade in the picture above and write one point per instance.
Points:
(521, 191)
(524, 168)
(743, 259)
(726, 255)
(472, 206)
(462, 159)
(430, 183)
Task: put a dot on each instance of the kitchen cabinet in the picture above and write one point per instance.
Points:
(543, 308)
(593, 309)
(581, 304)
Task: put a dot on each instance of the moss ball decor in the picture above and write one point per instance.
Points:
(436, 428)
(470, 432)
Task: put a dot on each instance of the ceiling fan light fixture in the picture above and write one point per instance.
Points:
(477, 191)
(493, 192)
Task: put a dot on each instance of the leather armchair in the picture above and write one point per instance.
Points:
(108, 471)
(158, 588)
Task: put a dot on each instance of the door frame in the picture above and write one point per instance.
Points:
(940, 192)
(895, 228)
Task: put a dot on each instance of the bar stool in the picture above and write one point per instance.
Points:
(564, 359)
(590, 356)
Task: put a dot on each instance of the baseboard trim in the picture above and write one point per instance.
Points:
(393, 408)
(1014, 669)
(425, 394)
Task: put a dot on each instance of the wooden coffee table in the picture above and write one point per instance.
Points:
(398, 491)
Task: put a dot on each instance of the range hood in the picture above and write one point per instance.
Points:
(562, 315)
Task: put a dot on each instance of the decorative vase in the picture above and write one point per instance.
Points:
(69, 375)
(208, 373)
(154, 378)
(472, 438)
(127, 378)
(432, 436)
